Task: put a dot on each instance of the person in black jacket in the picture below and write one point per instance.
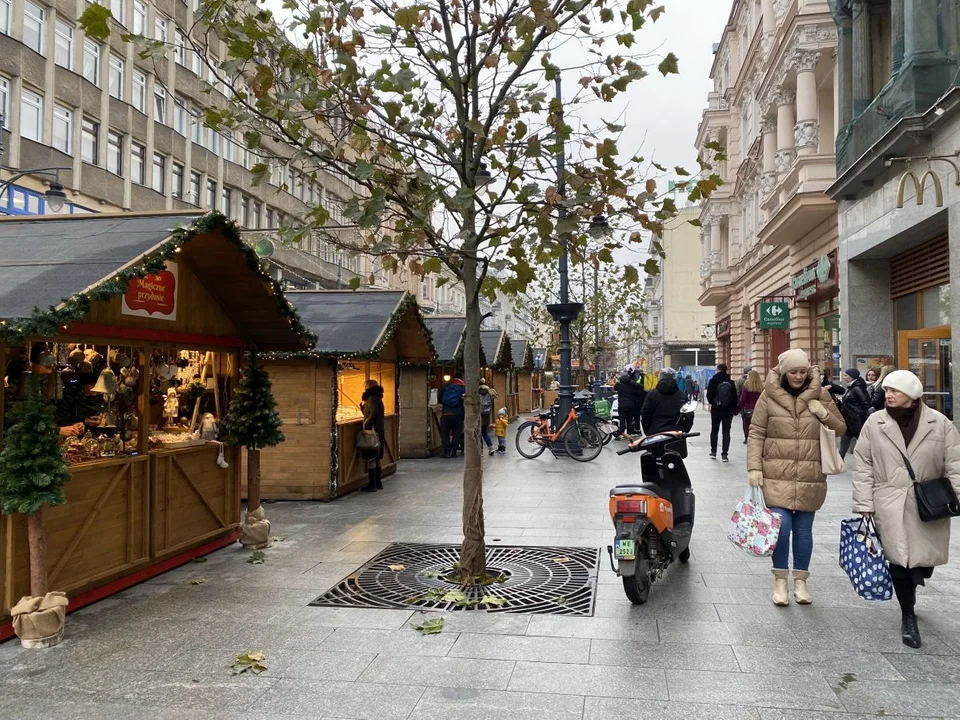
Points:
(628, 407)
(373, 419)
(722, 398)
(661, 408)
(855, 408)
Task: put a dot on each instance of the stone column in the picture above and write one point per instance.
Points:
(786, 121)
(896, 36)
(705, 250)
(862, 57)
(844, 75)
(768, 128)
(807, 130)
(768, 24)
(716, 251)
(924, 39)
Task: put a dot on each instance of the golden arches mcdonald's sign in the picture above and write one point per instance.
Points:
(919, 185)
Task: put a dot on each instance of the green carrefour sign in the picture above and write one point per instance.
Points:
(774, 316)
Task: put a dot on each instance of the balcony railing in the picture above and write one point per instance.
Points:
(718, 284)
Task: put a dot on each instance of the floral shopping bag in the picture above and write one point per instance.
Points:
(862, 558)
(754, 528)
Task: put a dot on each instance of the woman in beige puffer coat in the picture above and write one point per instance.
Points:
(783, 457)
(882, 486)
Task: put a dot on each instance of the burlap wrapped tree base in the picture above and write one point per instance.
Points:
(255, 530)
(38, 621)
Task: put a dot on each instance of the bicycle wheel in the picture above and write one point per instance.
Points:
(529, 442)
(608, 429)
(583, 442)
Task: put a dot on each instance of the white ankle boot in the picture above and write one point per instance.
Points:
(780, 593)
(801, 593)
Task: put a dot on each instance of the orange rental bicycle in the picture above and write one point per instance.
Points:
(582, 441)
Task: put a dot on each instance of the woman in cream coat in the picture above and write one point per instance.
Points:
(882, 486)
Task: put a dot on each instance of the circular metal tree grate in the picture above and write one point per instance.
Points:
(537, 580)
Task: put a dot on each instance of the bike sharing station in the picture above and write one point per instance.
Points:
(361, 335)
(138, 351)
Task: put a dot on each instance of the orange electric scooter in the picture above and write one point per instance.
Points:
(653, 518)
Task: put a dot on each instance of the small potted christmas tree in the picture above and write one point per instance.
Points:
(254, 423)
(32, 473)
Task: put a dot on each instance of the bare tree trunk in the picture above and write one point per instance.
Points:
(253, 480)
(37, 541)
(473, 552)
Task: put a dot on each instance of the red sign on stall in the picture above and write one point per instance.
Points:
(153, 296)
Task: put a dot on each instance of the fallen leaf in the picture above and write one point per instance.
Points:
(501, 578)
(561, 601)
(198, 580)
(562, 559)
(458, 597)
(397, 568)
(259, 557)
(431, 626)
(493, 600)
(199, 560)
(412, 600)
(252, 661)
(436, 574)
(279, 538)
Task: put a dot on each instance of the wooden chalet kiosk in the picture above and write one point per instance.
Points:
(498, 366)
(523, 375)
(362, 335)
(134, 327)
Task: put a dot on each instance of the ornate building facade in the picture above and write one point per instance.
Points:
(769, 233)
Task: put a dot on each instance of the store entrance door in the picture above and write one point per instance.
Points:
(928, 354)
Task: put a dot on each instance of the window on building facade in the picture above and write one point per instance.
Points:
(140, 91)
(159, 103)
(225, 202)
(63, 129)
(195, 188)
(115, 152)
(197, 63)
(196, 129)
(138, 160)
(180, 115)
(34, 17)
(139, 18)
(257, 215)
(5, 16)
(214, 146)
(158, 176)
(118, 8)
(176, 181)
(212, 194)
(269, 217)
(115, 79)
(245, 211)
(180, 48)
(5, 101)
(160, 28)
(90, 141)
(91, 62)
(63, 45)
(31, 115)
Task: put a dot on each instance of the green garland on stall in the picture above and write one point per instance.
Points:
(409, 301)
(46, 323)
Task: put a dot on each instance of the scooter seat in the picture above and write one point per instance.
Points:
(646, 488)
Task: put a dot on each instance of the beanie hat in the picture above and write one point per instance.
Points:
(793, 359)
(502, 412)
(629, 369)
(668, 371)
(906, 382)
(853, 372)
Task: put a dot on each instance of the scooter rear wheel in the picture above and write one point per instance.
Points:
(637, 587)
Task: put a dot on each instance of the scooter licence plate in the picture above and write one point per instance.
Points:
(625, 549)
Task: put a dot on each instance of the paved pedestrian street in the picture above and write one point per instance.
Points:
(708, 644)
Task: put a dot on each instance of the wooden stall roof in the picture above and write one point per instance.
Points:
(496, 349)
(522, 354)
(53, 267)
(361, 322)
(448, 331)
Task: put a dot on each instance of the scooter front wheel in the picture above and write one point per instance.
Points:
(637, 587)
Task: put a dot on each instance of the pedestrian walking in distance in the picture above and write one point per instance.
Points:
(906, 431)
(451, 415)
(487, 398)
(501, 430)
(855, 408)
(783, 457)
(749, 395)
(878, 396)
(661, 408)
(630, 396)
(371, 403)
(722, 397)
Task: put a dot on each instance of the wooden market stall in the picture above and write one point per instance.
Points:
(523, 374)
(135, 326)
(498, 366)
(366, 334)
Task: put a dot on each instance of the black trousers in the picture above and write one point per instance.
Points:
(720, 420)
(626, 419)
(451, 433)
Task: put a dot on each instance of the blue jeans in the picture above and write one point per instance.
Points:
(798, 523)
(485, 429)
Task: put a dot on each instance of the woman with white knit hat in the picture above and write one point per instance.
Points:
(783, 457)
(906, 431)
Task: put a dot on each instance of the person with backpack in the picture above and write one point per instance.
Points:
(722, 398)
(487, 398)
(451, 415)
(628, 395)
(855, 408)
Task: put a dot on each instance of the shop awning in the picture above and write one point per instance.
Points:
(522, 354)
(52, 268)
(360, 323)
(496, 349)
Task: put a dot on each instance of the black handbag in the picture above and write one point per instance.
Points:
(936, 499)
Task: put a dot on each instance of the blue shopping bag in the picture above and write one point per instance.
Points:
(862, 558)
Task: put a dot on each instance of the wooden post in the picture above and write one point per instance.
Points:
(253, 479)
(37, 541)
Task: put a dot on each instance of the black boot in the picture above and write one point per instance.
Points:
(909, 632)
(379, 478)
(371, 482)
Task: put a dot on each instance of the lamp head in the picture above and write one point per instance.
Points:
(599, 227)
(483, 176)
(55, 197)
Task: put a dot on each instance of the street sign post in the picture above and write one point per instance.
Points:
(774, 316)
